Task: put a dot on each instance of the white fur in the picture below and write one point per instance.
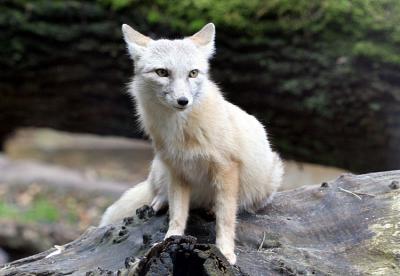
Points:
(200, 149)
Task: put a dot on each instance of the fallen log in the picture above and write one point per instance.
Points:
(350, 226)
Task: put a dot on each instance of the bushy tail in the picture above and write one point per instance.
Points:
(126, 206)
(277, 172)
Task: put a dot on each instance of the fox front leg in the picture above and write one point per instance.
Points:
(178, 200)
(227, 186)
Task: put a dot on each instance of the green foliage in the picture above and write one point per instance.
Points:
(41, 210)
(378, 51)
(357, 25)
(8, 210)
(354, 28)
(116, 4)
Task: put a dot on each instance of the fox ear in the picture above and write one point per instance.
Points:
(204, 39)
(135, 41)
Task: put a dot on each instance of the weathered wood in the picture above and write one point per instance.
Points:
(349, 226)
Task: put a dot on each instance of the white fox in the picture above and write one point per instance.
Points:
(208, 152)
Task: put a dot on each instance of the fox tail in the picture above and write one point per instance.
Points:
(134, 198)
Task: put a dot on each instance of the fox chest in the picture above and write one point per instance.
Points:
(190, 157)
(186, 155)
(195, 171)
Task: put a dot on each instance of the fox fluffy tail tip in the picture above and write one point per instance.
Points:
(131, 200)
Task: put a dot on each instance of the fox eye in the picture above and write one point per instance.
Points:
(162, 73)
(193, 73)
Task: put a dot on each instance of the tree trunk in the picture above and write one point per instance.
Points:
(345, 227)
(64, 65)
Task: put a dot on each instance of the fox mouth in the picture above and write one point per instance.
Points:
(180, 108)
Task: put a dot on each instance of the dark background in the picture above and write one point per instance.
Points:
(323, 76)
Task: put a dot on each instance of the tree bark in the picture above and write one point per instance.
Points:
(64, 65)
(344, 227)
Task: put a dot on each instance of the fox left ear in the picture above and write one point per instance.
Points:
(135, 41)
(204, 39)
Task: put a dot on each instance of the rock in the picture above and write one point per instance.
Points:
(55, 177)
(109, 158)
(29, 238)
(122, 159)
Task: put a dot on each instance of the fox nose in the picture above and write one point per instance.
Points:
(182, 101)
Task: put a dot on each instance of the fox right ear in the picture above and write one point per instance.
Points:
(135, 41)
(204, 39)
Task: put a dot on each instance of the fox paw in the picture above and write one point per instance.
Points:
(229, 255)
(173, 233)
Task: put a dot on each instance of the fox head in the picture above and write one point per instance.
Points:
(173, 71)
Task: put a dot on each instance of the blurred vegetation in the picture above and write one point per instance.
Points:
(368, 28)
(41, 204)
(322, 75)
(41, 211)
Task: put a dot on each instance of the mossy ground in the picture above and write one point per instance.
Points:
(41, 204)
